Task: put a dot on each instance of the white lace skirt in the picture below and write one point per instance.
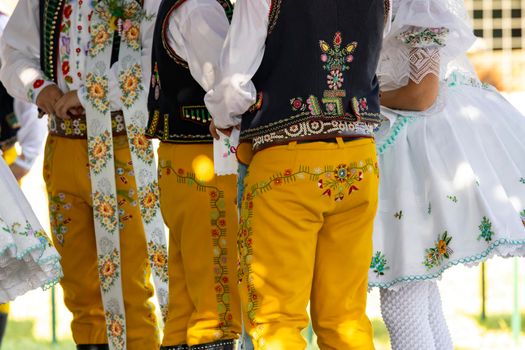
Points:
(452, 188)
(27, 257)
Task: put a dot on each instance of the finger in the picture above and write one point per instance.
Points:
(226, 132)
(213, 132)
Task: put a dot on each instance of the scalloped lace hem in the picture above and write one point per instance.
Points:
(503, 248)
(34, 267)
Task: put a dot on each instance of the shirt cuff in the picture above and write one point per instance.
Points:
(24, 162)
(36, 88)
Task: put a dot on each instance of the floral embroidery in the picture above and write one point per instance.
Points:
(59, 223)
(522, 180)
(100, 39)
(140, 145)
(245, 246)
(99, 149)
(334, 182)
(116, 328)
(97, 89)
(130, 85)
(337, 59)
(424, 37)
(218, 235)
(429, 211)
(453, 198)
(149, 198)
(486, 230)
(159, 256)
(399, 215)
(43, 238)
(436, 255)
(131, 34)
(105, 209)
(379, 264)
(522, 214)
(109, 269)
(342, 180)
(65, 43)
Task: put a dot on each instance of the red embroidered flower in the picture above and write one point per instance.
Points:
(288, 172)
(67, 11)
(278, 181)
(214, 195)
(180, 171)
(221, 222)
(38, 83)
(337, 39)
(65, 68)
(225, 280)
(215, 233)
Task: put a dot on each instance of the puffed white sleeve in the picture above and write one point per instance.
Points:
(32, 133)
(425, 36)
(241, 57)
(20, 53)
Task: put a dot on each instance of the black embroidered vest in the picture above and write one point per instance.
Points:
(8, 122)
(176, 100)
(317, 78)
(50, 22)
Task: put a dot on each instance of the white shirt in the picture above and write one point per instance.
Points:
(196, 33)
(241, 57)
(20, 50)
(33, 130)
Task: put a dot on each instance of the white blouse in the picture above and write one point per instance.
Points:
(20, 50)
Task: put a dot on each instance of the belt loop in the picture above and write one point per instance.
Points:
(292, 145)
(340, 142)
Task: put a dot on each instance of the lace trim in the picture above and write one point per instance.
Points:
(423, 61)
(490, 252)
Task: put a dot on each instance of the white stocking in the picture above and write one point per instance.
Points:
(406, 315)
(438, 323)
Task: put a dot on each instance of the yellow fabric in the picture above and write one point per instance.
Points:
(4, 308)
(10, 155)
(67, 177)
(202, 217)
(306, 234)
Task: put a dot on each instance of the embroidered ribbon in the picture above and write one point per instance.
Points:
(94, 96)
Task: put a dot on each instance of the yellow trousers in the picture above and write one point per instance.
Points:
(306, 235)
(201, 213)
(4, 308)
(67, 177)
(10, 155)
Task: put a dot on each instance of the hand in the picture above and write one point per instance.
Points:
(227, 132)
(18, 171)
(48, 97)
(69, 106)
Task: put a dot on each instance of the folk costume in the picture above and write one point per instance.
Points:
(99, 170)
(27, 257)
(301, 81)
(453, 180)
(199, 209)
(18, 123)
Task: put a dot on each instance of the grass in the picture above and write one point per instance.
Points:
(20, 336)
(499, 322)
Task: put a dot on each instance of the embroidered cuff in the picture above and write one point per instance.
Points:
(35, 89)
(424, 37)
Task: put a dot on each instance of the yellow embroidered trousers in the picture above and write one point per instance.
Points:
(201, 213)
(306, 235)
(67, 177)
